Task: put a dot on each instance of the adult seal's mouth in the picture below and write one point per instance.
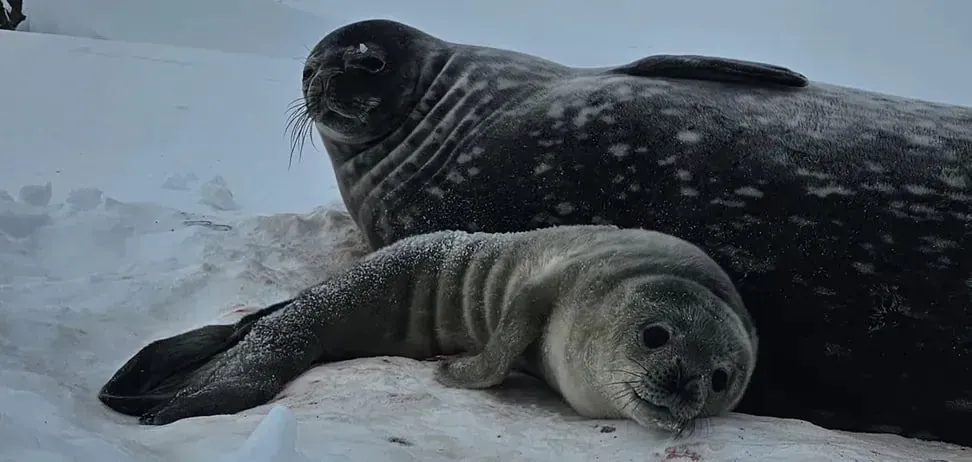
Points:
(324, 93)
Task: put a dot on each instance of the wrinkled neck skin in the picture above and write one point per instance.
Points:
(459, 90)
(355, 161)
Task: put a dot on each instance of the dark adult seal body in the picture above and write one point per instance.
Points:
(623, 323)
(842, 214)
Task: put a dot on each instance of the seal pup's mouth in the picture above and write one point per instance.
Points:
(661, 416)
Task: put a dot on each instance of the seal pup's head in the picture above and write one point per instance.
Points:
(663, 350)
(691, 353)
(361, 81)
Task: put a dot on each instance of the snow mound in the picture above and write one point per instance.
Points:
(85, 283)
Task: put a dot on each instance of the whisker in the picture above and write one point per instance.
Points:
(299, 126)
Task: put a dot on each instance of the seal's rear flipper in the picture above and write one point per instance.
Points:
(712, 68)
(159, 370)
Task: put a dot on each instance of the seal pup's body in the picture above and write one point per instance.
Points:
(622, 323)
(842, 215)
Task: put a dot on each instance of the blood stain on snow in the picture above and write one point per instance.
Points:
(681, 452)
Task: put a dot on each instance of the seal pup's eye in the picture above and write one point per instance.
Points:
(720, 380)
(655, 336)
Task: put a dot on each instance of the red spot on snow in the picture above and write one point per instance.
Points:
(680, 453)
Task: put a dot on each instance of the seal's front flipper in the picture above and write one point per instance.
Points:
(520, 325)
(712, 68)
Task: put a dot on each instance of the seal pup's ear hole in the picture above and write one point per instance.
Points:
(655, 336)
(720, 380)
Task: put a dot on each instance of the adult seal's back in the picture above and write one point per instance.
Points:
(842, 215)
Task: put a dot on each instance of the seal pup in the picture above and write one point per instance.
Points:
(842, 215)
(623, 323)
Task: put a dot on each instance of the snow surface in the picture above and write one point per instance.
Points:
(144, 191)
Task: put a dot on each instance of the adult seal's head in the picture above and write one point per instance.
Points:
(361, 80)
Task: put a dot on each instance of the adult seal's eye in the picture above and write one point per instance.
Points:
(308, 73)
(720, 380)
(655, 336)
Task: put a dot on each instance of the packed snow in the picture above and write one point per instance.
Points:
(145, 191)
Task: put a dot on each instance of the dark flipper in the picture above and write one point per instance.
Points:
(162, 368)
(712, 68)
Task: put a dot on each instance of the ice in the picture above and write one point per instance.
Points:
(144, 191)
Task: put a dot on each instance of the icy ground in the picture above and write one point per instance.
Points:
(145, 192)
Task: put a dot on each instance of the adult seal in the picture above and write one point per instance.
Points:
(843, 215)
(623, 323)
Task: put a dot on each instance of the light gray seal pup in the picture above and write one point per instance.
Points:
(623, 323)
(842, 215)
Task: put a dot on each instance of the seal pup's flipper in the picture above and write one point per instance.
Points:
(520, 326)
(712, 68)
(159, 370)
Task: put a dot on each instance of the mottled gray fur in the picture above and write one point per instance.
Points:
(569, 304)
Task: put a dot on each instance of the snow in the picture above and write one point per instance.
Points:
(145, 191)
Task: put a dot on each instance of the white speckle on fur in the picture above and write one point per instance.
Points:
(879, 187)
(473, 171)
(812, 174)
(873, 167)
(463, 158)
(362, 48)
(619, 150)
(565, 208)
(728, 203)
(829, 190)
(801, 221)
(556, 110)
(455, 177)
(667, 161)
(435, 191)
(863, 268)
(749, 191)
(587, 113)
(624, 93)
(955, 179)
(826, 291)
(922, 140)
(690, 192)
(689, 136)
(918, 190)
(683, 175)
(541, 167)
